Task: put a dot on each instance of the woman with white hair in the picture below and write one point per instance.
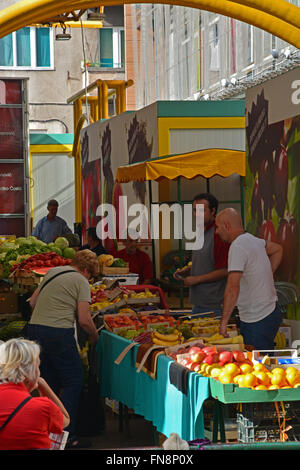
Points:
(25, 420)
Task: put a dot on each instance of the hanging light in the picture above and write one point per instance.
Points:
(63, 36)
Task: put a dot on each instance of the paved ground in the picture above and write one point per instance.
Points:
(137, 433)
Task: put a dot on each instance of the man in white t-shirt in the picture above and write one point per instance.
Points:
(250, 284)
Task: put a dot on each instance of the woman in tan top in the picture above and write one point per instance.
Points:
(63, 297)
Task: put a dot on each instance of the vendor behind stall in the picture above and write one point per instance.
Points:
(250, 284)
(93, 242)
(206, 277)
(139, 261)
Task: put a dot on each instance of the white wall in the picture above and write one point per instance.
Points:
(53, 178)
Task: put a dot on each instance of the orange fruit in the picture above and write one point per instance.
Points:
(277, 379)
(236, 378)
(273, 387)
(261, 387)
(241, 381)
(291, 369)
(292, 378)
(225, 378)
(249, 380)
(263, 378)
(215, 372)
(232, 369)
(246, 368)
(259, 367)
(278, 370)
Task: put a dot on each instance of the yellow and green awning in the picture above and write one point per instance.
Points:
(206, 163)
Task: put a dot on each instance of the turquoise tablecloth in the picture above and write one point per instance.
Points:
(157, 399)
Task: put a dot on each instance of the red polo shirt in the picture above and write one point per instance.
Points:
(31, 426)
(139, 263)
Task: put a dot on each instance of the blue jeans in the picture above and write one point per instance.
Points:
(196, 309)
(261, 334)
(61, 366)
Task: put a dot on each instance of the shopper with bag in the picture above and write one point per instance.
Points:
(64, 297)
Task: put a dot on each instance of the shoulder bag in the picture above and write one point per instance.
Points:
(15, 412)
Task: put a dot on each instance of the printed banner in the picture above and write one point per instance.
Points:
(273, 167)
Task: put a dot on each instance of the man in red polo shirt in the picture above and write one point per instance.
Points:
(207, 276)
(139, 261)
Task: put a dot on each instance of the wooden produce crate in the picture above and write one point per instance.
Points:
(117, 329)
(109, 270)
(142, 300)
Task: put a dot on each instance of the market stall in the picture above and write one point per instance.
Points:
(157, 400)
(24, 261)
(202, 365)
(205, 163)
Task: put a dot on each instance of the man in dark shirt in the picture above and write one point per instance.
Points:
(207, 276)
(93, 242)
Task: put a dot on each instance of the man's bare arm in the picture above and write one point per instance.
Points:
(86, 322)
(213, 276)
(274, 252)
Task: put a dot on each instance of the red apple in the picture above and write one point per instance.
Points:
(209, 349)
(238, 356)
(198, 356)
(194, 349)
(225, 356)
(211, 358)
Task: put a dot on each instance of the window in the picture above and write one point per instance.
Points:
(250, 57)
(28, 47)
(112, 47)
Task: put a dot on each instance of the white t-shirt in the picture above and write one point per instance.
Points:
(257, 297)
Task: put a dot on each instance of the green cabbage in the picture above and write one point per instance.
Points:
(57, 250)
(61, 242)
(39, 243)
(69, 253)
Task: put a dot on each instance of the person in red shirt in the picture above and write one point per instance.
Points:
(139, 261)
(207, 275)
(29, 427)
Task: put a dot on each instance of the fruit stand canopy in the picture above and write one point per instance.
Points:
(206, 163)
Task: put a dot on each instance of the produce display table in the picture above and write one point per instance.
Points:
(157, 400)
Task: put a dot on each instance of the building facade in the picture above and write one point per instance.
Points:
(183, 53)
(54, 70)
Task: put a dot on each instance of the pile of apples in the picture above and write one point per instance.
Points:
(205, 359)
(234, 367)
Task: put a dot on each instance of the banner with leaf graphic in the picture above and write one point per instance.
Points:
(273, 170)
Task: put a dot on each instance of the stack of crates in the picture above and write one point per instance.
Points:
(258, 422)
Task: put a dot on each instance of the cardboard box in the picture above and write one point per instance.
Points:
(8, 302)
